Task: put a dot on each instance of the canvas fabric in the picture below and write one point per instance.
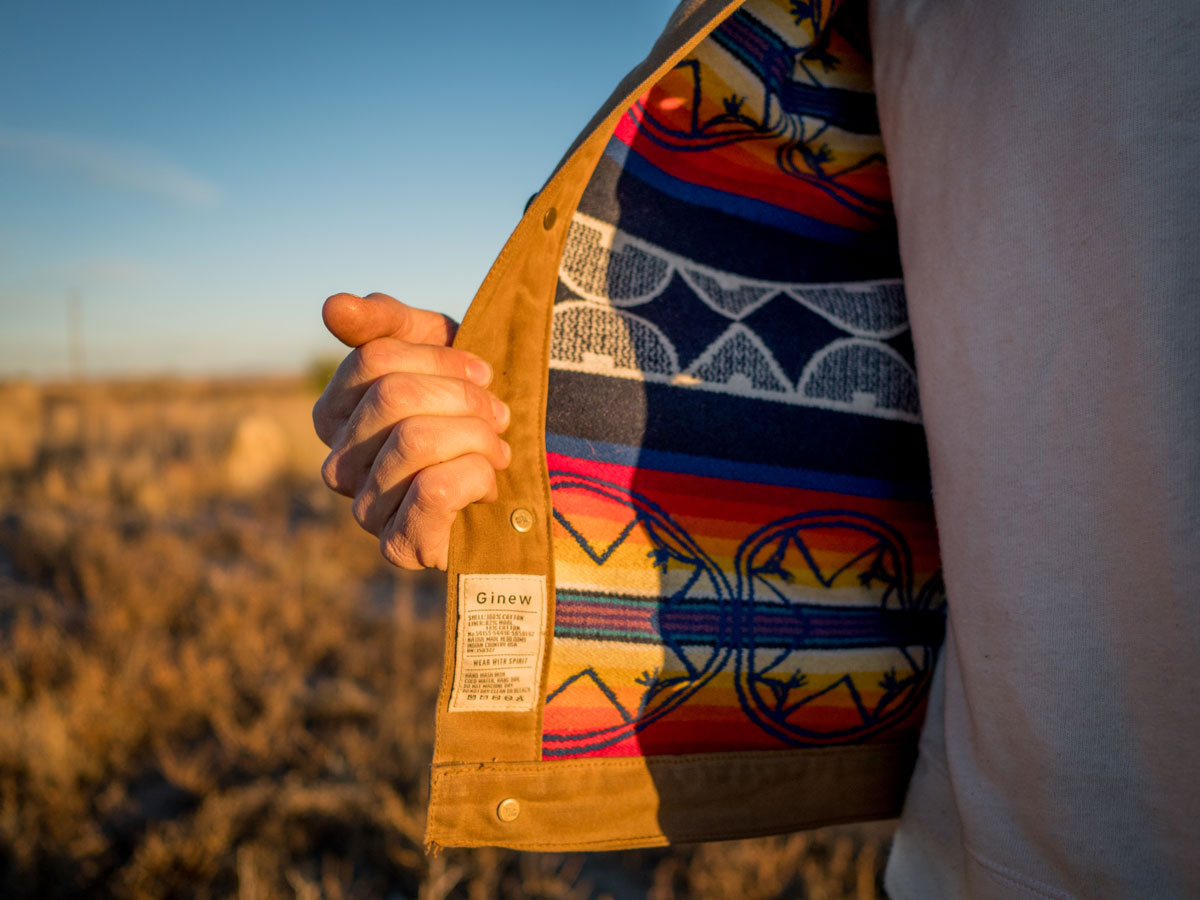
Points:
(721, 481)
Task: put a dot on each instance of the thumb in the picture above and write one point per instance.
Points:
(354, 320)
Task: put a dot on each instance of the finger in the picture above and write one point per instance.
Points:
(388, 401)
(418, 535)
(354, 320)
(364, 365)
(415, 444)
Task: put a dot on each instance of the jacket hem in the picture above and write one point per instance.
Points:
(620, 803)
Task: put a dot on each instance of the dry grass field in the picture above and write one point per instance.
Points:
(212, 686)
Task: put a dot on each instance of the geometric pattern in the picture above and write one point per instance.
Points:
(729, 575)
(805, 591)
(609, 276)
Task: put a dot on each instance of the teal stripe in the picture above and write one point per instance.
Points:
(635, 602)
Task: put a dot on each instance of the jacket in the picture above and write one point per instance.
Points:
(503, 772)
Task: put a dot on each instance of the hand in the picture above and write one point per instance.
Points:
(414, 435)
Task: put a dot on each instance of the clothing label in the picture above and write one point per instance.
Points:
(498, 654)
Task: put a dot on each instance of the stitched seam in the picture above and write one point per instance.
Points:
(544, 767)
(520, 237)
(710, 835)
(547, 501)
(1023, 881)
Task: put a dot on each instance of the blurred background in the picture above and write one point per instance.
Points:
(211, 685)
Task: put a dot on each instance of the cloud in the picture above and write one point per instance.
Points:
(127, 166)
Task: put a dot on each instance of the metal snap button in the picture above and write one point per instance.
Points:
(550, 218)
(508, 810)
(521, 519)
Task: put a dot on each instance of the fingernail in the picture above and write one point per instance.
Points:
(479, 372)
(506, 451)
(500, 411)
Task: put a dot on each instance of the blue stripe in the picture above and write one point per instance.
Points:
(734, 204)
(745, 430)
(755, 473)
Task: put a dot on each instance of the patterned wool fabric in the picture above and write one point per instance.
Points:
(745, 554)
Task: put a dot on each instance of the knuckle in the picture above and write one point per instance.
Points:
(321, 423)
(411, 440)
(329, 471)
(372, 357)
(336, 475)
(399, 550)
(394, 392)
(432, 491)
(430, 551)
(476, 400)
(361, 510)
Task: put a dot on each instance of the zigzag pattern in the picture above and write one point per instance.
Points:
(835, 582)
(744, 550)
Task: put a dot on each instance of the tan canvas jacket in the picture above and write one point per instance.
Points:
(489, 784)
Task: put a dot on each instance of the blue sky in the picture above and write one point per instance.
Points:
(202, 176)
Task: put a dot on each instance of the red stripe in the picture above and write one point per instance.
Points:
(709, 735)
(758, 181)
(720, 508)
